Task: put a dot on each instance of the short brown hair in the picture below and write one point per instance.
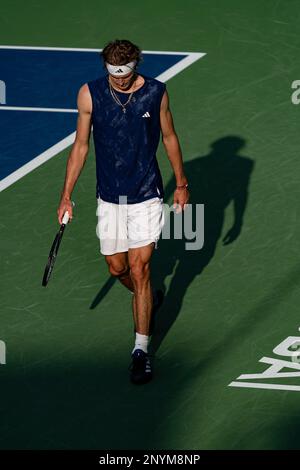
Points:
(120, 52)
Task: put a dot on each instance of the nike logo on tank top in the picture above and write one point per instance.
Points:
(126, 142)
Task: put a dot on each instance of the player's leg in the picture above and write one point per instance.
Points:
(144, 225)
(118, 266)
(139, 264)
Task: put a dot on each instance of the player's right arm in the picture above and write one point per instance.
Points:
(79, 151)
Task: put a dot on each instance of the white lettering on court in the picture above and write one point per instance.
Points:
(2, 352)
(288, 348)
(295, 97)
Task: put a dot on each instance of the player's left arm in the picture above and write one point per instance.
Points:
(173, 150)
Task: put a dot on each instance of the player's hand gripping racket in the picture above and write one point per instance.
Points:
(54, 249)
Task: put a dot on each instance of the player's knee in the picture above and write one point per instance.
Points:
(118, 270)
(140, 271)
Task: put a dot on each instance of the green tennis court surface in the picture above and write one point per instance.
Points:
(65, 382)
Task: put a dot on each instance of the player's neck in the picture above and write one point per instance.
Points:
(137, 82)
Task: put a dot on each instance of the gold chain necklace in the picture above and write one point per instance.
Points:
(116, 98)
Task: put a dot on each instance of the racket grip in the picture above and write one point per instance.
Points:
(65, 218)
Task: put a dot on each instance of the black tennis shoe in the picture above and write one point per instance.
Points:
(140, 369)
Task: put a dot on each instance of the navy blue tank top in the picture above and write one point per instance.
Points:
(126, 143)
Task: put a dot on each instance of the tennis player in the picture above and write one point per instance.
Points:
(128, 112)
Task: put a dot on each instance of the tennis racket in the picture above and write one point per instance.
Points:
(54, 249)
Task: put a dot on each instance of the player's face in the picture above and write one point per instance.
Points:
(123, 83)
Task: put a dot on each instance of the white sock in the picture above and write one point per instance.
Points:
(141, 342)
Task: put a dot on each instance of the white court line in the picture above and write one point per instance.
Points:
(47, 110)
(181, 65)
(37, 161)
(293, 388)
(67, 141)
(81, 49)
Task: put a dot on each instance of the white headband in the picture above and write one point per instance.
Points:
(121, 70)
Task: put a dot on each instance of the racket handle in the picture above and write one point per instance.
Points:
(65, 218)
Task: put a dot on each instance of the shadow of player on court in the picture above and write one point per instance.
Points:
(215, 180)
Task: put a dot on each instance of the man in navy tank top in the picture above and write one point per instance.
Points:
(128, 112)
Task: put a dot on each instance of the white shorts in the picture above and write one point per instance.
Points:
(124, 226)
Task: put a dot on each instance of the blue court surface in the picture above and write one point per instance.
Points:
(42, 86)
